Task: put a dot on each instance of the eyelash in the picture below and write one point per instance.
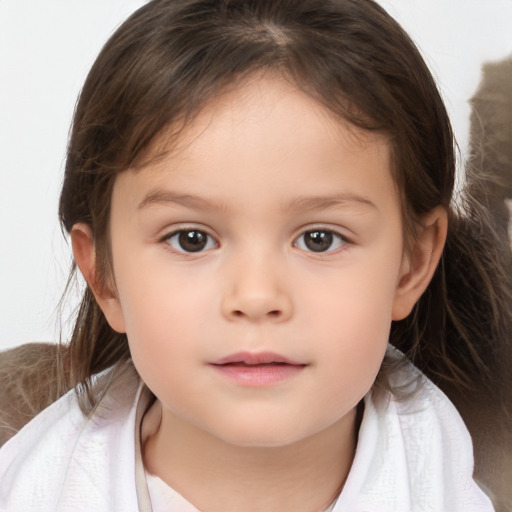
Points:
(178, 238)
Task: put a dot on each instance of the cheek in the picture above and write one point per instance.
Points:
(357, 302)
(161, 338)
(160, 316)
(355, 319)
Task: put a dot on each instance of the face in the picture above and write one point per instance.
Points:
(257, 267)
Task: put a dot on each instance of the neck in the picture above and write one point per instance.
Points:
(215, 476)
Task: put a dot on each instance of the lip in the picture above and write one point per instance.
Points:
(257, 369)
(254, 358)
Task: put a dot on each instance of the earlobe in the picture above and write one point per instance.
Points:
(419, 266)
(84, 252)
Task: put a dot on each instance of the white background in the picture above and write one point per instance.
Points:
(46, 49)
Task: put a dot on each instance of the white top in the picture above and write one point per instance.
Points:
(412, 456)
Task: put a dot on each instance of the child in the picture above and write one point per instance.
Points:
(258, 194)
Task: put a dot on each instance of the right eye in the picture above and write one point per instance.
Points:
(190, 240)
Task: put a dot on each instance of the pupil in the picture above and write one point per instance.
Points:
(318, 241)
(192, 241)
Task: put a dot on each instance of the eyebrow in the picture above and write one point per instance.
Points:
(163, 197)
(305, 203)
(331, 201)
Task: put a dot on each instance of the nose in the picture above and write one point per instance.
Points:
(257, 292)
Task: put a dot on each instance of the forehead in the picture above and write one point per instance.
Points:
(266, 130)
(244, 105)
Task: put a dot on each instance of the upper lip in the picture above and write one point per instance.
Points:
(255, 358)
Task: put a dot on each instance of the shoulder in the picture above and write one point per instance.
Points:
(64, 460)
(415, 453)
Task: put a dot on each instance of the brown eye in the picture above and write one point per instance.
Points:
(190, 240)
(320, 240)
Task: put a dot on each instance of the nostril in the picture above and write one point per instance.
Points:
(273, 314)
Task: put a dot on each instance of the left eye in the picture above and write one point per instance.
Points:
(320, 240)
(190, 240)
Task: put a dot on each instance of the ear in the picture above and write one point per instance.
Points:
(85, 256)
(420, 264)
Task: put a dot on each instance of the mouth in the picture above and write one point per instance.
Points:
(257, 369)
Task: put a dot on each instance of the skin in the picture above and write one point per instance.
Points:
(257, 169)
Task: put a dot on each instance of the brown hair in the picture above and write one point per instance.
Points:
(173, 56)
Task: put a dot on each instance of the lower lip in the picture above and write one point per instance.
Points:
(258, 375)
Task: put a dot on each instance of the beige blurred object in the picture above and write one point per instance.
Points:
(489, 418)
(29, 382)
(491, 140)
